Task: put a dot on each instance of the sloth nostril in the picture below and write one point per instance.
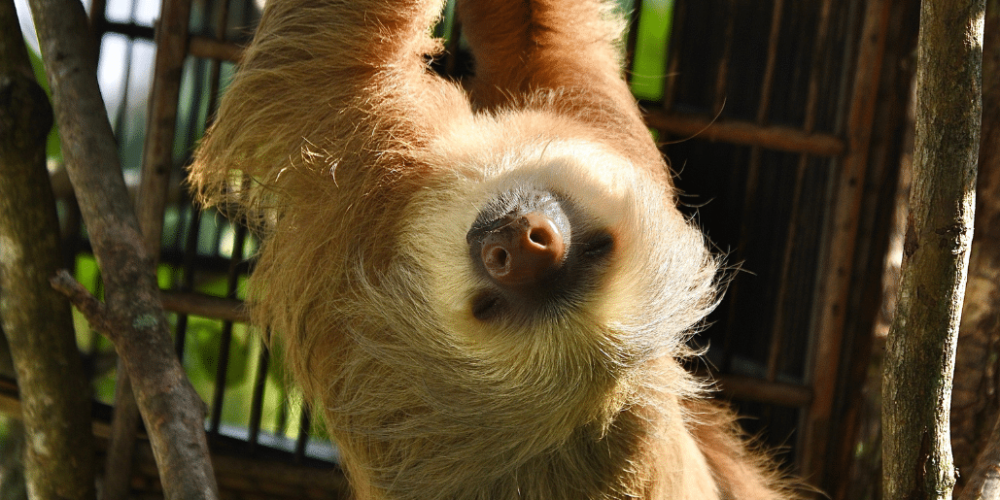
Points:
(540, 237)
(495, 258)
(542, 231)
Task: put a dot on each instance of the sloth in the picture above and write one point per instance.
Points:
(485, 286)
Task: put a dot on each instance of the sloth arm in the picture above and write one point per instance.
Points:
(345, 79)
(559, 56)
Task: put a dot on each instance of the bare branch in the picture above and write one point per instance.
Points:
(81, 298)
(172, 411)
(974, 410)
(920, 352)
(58, 460)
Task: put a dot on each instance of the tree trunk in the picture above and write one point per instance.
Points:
(975, 398)
(920, 351)
(37, 322)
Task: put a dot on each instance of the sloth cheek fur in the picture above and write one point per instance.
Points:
(486, 289)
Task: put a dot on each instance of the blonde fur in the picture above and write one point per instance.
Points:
(364, 171)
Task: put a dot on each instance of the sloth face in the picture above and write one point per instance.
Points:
(546, 248)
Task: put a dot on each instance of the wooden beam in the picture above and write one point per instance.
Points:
(753, 389)
(204, 305)
(774, 137)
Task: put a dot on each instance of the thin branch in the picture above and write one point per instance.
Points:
(91, 308)
(974, 410)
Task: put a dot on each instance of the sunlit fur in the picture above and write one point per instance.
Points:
(364, 171)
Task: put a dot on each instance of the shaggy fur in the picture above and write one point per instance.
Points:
(366, 171)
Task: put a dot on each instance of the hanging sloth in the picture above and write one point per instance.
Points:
(486, 287)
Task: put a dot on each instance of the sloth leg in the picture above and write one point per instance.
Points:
(532, 45)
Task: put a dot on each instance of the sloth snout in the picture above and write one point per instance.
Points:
(523, 252)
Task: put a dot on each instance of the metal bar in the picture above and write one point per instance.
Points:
(219, 386)
(131, 29)
(187, 280)
(453, 47)
(214, 71)
(252, 477)
(192, 303)
(226, 337)
(281, 418)
(777, 138)
(674, 57)
(733, 323)
(776, 393)
(121, 445)
(767, 80)
(98, 21)
(722, 74)
(633, 37)
(753, 175)
(778, 330)
(822, 42)
(854, 17)
(157, 162)
(303, 438)
(257, 401)
(778, 325)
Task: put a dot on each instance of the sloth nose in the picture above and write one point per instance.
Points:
(524, 251)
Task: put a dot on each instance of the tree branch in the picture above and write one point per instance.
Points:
(982, 306)
(58, 459)
(172, 411)
(920, 351)
(91, 308)
(974, 402)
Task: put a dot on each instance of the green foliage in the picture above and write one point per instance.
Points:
(650, 58)
(281, 409)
